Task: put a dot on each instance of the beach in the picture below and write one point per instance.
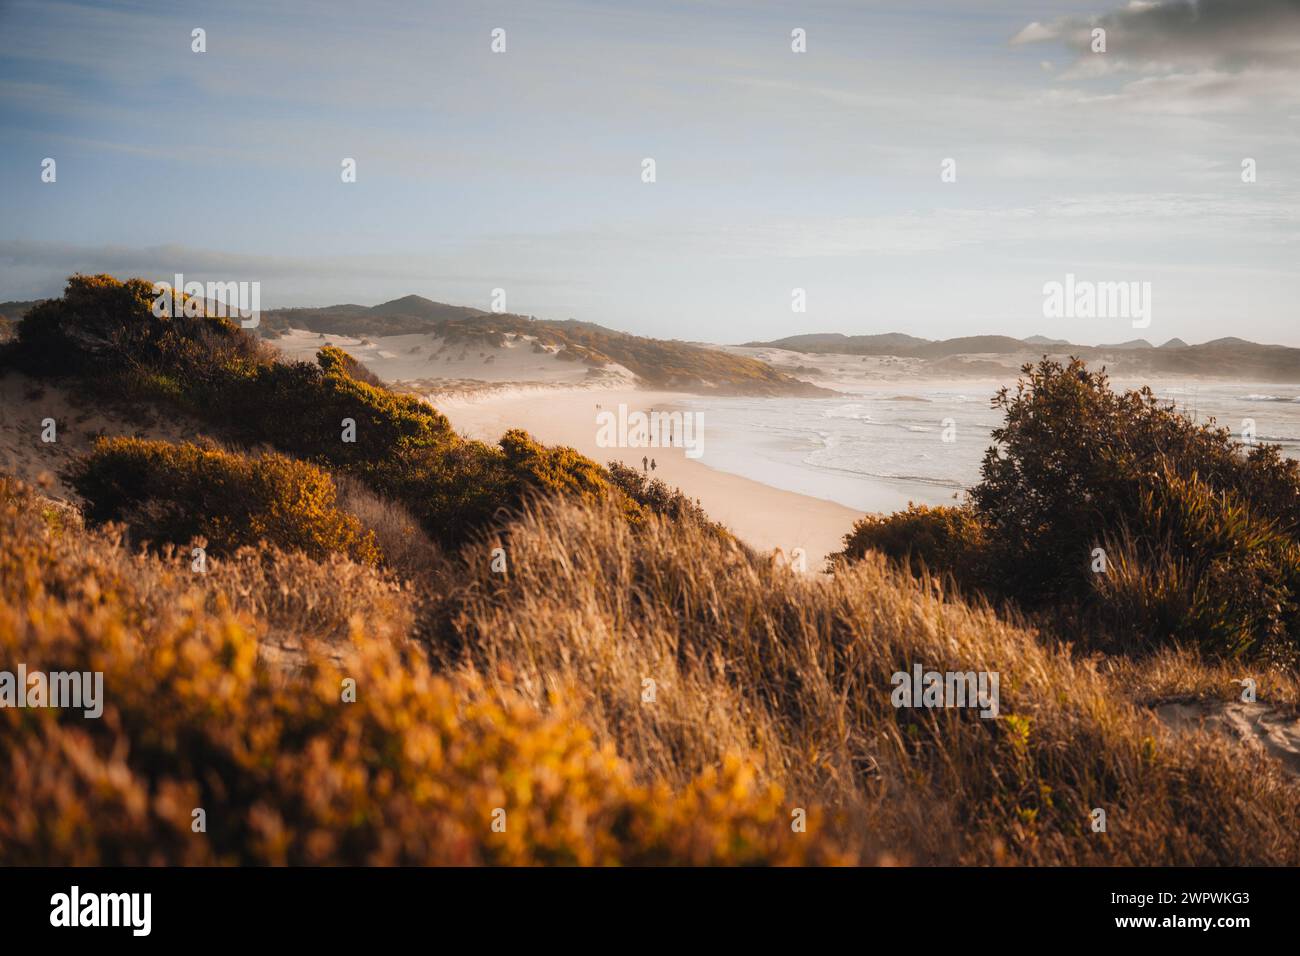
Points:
(788, 472)
(763, 516)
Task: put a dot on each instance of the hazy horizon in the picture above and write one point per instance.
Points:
(775, 170)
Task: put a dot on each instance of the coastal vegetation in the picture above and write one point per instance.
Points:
(413, 648)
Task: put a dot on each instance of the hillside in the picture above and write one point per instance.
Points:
(16, 309)
(499, 609)
(656, 363)
(990, 354)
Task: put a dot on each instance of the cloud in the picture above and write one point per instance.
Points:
(1230, 35)
(1035, 33)
(33, 268)
(1083, 220)
(1190, 56)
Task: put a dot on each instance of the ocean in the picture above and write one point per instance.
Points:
(877, 448)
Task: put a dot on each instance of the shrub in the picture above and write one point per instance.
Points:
(1073, 460)
(175, 493)
(333, 359)
(939, 540)
(300, 408)
(103, 327)
(1204, 571)
(555, 471)
(104, 331)
(657, 498)
(411, 772)
(1203, 533)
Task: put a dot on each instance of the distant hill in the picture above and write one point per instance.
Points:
(656, 363)
(1224, 357)
(17, 308)
(893, 343)
(903, 345)
(969, 345)
(889, 343)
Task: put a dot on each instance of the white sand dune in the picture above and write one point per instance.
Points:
(433, 361)
(841, 372)
(1255, 724)
(25, 403)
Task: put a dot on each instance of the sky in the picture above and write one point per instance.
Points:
(775, 170)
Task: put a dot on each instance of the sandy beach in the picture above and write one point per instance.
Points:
(486, 390)
(765, 517)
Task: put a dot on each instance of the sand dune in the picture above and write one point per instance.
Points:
(556, 400)
(24, 405)
(1255, 724)
(438, 364)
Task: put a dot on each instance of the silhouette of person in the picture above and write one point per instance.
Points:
(652, 464)
(645, 463)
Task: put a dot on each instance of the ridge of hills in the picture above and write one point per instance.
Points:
(1229, 356)
(657, 363)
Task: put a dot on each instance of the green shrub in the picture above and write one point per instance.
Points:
(657, 498)
(175, 493)
(104, 331)
(103, 327)
(1074, 459)
(300, 408)
(939, 540)
(1201, 534)
(1205, 571)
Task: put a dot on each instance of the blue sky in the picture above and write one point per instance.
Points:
(775, 170)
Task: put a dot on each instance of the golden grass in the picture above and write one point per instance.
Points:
(798, 668)
(526, 691)
(414, 770)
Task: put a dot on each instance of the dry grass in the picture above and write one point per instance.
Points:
(407, 550)
(771, 692)
(301, 608)
(1185, 672)
(798, 669)
(414, 770)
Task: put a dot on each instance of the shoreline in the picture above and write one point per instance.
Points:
(762, 516)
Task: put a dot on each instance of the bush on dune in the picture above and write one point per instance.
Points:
(658, 498)
(175, 493)
(103, 328)
(1181, 509)
(104, 332)
(1206, 571)
(300, 408)
(1075, 458)
(944, 539)
(286, 771)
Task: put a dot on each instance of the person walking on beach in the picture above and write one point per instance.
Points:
(652, 464)
(645, 463)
